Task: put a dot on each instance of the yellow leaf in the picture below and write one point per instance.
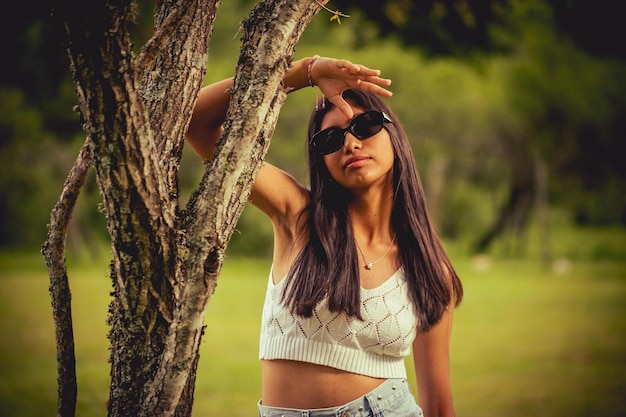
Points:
(336, 17)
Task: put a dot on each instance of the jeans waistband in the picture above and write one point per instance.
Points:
(376, 400)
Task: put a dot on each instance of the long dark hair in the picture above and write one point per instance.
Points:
(328, 265)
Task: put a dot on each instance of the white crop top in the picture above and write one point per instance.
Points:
(375, 346)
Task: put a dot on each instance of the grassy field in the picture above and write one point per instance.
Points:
(527, 341)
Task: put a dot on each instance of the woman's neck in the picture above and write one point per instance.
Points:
(370, 214)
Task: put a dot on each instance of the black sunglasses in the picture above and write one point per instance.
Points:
(362, 126)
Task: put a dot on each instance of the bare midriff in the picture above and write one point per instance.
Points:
(293, 384)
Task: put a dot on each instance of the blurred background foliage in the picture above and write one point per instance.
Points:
(505, 101)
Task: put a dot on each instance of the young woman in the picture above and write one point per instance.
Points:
(359, 277)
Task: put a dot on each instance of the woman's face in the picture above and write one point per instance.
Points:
(359, 164)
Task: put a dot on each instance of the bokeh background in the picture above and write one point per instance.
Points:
(517, 115)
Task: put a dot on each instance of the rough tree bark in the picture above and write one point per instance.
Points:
(136, 110)
(54, 253)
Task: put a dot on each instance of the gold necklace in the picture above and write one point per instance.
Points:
(370, 265)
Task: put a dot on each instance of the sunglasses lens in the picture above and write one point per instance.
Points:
(329, 140)
(367, 124)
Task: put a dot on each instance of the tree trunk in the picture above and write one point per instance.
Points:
(270, 34)
(515, 212)
(543, 211)
(136, 111)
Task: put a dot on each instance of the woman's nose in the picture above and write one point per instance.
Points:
(350, 143)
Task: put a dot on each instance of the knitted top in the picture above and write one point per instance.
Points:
(374, 347)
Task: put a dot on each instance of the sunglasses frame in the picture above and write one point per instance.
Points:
(350, 128)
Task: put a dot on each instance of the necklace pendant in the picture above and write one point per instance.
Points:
(368, 266)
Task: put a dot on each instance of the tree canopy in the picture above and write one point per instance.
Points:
(459, 27)
(468, 75)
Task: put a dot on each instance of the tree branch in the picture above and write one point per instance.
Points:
(53, 251)
(273, 29)
(164, 32)
(174, 58)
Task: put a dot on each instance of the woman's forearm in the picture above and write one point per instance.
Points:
(297, 77)
(207, 118)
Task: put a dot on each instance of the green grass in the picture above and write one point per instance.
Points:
(526, 342)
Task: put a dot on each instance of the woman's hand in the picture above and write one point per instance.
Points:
(334, 76)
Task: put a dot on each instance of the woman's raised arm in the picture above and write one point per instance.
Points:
(207, 118)
(333, 76)
(209, 112)
(275, 192)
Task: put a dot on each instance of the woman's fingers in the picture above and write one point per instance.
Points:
(376, 86)
(336, 85)
(334, 76)
(342, 105)
(383, 82)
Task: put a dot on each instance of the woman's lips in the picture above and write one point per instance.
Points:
(355, 162)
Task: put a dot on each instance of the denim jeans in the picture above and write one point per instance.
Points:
(393, 398)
